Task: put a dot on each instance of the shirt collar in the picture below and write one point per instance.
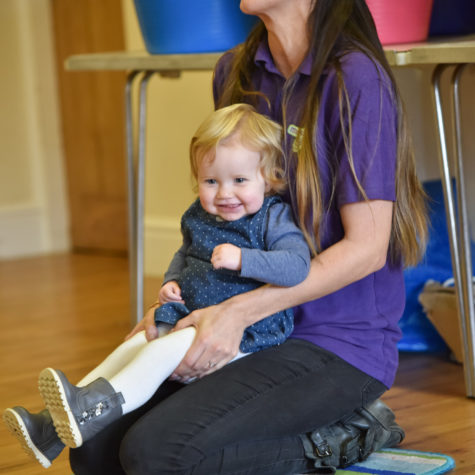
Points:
(264, 56)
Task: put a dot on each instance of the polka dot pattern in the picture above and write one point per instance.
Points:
(202, 285)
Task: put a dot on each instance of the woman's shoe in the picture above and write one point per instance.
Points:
(79, 413)
(35, 432)
(354, 438)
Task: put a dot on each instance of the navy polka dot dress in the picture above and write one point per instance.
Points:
(202, 285)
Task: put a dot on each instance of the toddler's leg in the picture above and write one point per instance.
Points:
(36, 432)
(121, 356)
(80, 413)
(116, 360)
(138, 380)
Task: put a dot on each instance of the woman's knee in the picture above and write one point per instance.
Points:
(92, 460)
(131, 455)
(162, 451)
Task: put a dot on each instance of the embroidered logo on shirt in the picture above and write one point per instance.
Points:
(297, 133)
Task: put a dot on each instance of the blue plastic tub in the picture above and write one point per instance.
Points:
(452, 17)
(192, 26)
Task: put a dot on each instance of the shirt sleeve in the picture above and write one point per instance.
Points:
(286, 260)
(178, 262)
(373, 134)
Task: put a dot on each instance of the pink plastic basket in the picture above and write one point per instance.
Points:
(401, 21)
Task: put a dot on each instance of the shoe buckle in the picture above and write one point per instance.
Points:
(323, 449)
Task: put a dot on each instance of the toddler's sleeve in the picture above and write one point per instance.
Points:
(286, 260)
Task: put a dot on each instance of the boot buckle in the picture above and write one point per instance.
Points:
(322, 447)
(323, 450)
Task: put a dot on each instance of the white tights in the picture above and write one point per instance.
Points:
(136, 368)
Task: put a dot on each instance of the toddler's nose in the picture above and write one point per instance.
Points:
(224, 191)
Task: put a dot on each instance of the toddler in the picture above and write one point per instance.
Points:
(237, 236)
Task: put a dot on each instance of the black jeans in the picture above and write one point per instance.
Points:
(243, 419)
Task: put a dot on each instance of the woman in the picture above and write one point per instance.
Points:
(317, 67)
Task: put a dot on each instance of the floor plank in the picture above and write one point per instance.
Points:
(69, 311)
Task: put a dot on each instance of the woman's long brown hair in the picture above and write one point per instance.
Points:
(342, 26)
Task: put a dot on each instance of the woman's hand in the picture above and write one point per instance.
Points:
(218, 335)
(148, 324)
(170, 292)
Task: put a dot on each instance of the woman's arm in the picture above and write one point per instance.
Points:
(362, 251)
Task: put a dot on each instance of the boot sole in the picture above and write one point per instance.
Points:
(54, 397)
(18, 428)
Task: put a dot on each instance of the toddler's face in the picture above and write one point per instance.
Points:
(231, 185)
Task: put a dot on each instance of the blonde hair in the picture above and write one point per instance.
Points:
(253, 130)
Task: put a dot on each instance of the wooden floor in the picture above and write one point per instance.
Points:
(70, 311)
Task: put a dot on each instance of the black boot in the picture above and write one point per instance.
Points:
(35, 432)
(352, 439)
(79, 413)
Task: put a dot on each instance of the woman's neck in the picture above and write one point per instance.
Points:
(288, 39)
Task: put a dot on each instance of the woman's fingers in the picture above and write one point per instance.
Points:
(214, 346)
(147, 324)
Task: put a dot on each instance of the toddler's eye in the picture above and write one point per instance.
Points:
(210, 181)
(240, 180)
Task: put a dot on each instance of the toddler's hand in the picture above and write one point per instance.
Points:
(170, 292)
(226, 256)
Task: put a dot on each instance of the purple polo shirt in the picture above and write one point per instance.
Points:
(359, 323)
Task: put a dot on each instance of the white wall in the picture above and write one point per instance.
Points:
(175, 109)
(33, 215)
(415, 85)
